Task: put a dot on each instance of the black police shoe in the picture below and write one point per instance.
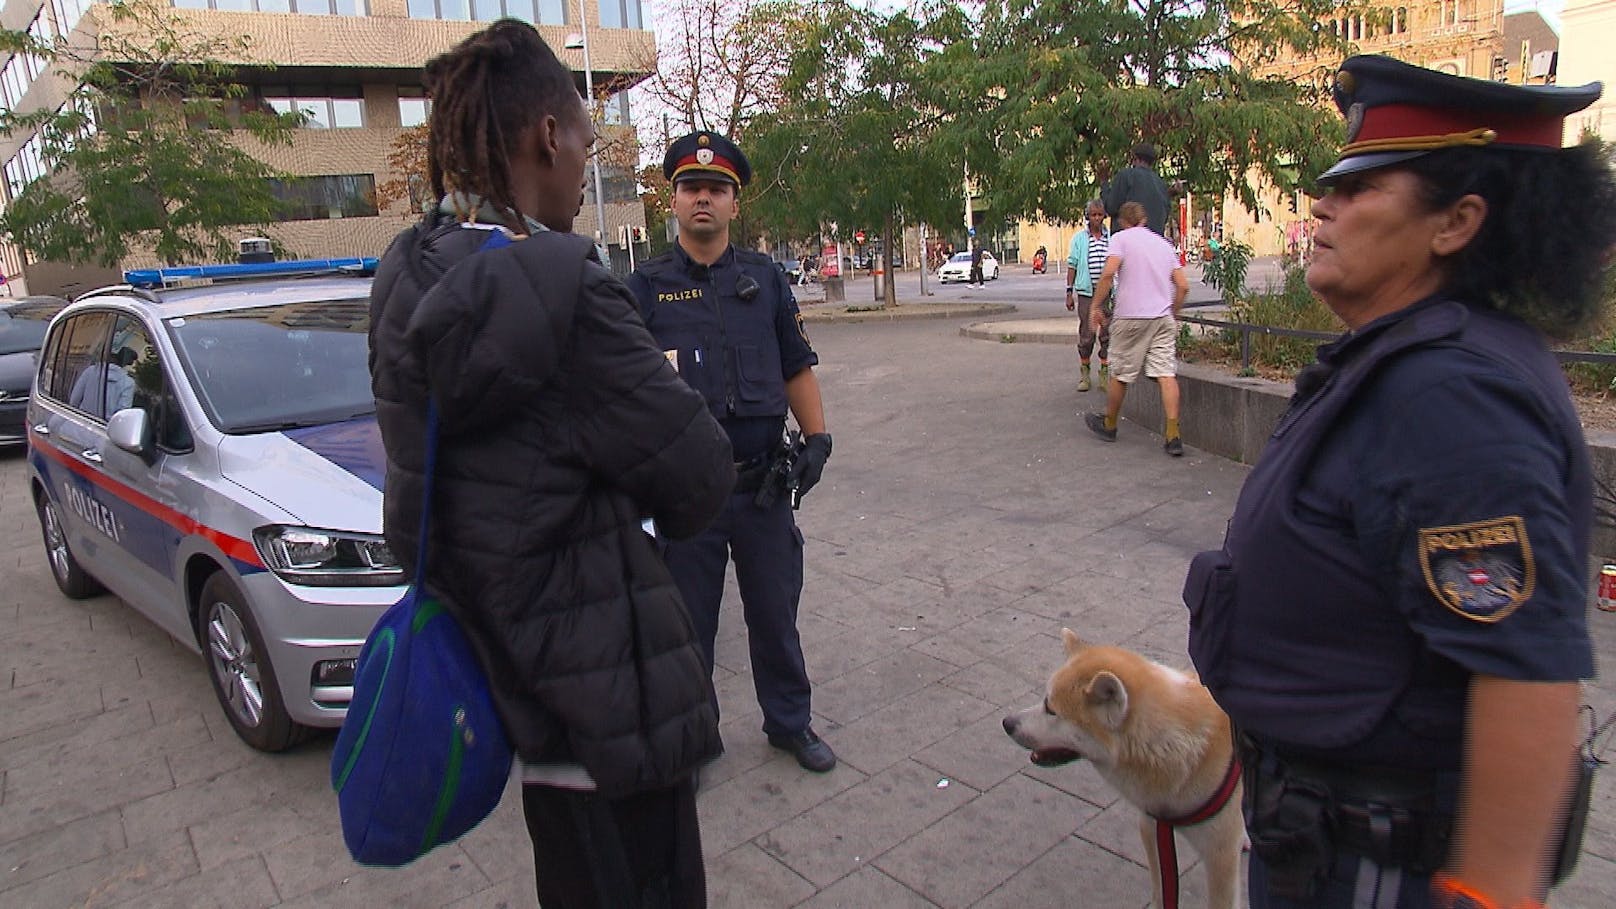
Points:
(810, 751)
(1174, 447)
(1096, 423)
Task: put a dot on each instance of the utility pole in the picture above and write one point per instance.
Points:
(589, 92)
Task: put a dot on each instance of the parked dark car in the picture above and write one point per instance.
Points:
(22, 332)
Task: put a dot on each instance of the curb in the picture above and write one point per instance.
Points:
(1030, 331)
(837, 312)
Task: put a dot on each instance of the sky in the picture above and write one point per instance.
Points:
(1548, 9)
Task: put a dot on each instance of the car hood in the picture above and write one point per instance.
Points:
(327, 476)
(17, 372)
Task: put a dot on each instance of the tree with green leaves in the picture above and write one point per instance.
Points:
(857, 143)
(146, 156)
(1048, 98)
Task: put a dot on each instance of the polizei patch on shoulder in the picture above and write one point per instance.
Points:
(1483, 571)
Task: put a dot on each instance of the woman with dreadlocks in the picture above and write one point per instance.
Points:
(561, 426)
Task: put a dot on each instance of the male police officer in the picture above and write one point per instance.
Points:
(728, 322)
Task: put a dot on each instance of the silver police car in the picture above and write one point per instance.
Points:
(203, 443)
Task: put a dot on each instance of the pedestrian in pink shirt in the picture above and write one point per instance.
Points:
(1150, 289)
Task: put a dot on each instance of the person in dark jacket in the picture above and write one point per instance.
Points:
(1138, 182)
(1397, 620)
(562, 427)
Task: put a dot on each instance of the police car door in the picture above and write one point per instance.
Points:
(148, 508)
(71, 379)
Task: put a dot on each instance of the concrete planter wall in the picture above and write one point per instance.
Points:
(1231, 417)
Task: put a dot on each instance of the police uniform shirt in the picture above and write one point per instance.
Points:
(1459, 482)
(737, 352)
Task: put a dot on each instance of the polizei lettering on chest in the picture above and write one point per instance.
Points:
(91, 511)
(693, 293)
(1479, 536)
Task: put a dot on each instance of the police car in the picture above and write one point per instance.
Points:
(202, 442)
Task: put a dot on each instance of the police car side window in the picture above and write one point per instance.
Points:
(77, 348)
(145, 385)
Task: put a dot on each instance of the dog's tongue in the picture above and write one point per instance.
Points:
(1054, 757)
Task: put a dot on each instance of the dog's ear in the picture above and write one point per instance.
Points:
(1108, 699)
(1072, 642)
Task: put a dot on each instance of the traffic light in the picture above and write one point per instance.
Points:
(637, 234)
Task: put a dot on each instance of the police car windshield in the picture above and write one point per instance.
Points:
(961, 257)
(279, 367)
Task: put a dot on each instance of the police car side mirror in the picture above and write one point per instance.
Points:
(130, 430)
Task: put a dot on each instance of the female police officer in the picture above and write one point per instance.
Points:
(1396, 620)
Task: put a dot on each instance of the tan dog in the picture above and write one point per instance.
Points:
(1154, 734)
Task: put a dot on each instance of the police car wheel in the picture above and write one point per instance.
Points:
(239, 666)
(70, 577)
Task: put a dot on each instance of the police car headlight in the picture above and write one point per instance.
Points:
(327, 558)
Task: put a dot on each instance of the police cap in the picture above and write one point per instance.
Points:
(1396, 111)
(708, 155)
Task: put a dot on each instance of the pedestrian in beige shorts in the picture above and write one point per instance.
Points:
(1150, 290)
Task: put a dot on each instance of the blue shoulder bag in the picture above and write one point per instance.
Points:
(422, 756)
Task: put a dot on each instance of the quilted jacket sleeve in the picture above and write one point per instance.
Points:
(640, 427)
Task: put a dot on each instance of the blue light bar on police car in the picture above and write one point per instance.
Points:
(164, 277)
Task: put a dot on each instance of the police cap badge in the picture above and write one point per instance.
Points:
(707, 155)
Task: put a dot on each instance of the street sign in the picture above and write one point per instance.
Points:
(972, 231)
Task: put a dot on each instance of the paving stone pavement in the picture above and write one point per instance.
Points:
(965, 517)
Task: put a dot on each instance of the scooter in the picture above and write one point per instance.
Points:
(1040, 261)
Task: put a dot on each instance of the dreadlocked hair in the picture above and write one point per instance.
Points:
(485, 92)
(1543, 250)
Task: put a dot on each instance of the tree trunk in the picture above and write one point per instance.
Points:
(889, 298)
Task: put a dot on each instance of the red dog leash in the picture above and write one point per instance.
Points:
(1167, 850)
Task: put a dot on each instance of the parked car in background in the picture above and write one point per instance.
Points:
(23, 321)
(958, 268)
(792, 269)
(210, 454)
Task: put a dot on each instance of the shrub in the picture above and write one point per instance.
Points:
(1227, 270)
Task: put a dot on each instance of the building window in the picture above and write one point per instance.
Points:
(414, 107)
(20, 72)
(1400, 20)
(616, 113)
(304, 7)
(26, 166)
(620, 14)
(67, 14)
(323, 106)
(538, 12)
(452, 10)
(325, 197)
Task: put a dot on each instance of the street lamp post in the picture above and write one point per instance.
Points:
(589, 91)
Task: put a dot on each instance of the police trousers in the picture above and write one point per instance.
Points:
(767, 548)
(1354, 882)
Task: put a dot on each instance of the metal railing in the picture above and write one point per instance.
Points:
(1246, 330)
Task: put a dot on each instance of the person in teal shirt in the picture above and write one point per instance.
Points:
(1085, 259)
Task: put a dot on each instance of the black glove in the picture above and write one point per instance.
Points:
(809, 464)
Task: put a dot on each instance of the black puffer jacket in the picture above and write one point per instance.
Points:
(562, 425)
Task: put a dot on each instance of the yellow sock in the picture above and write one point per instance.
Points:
(1110, 422)
(1172, 427)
